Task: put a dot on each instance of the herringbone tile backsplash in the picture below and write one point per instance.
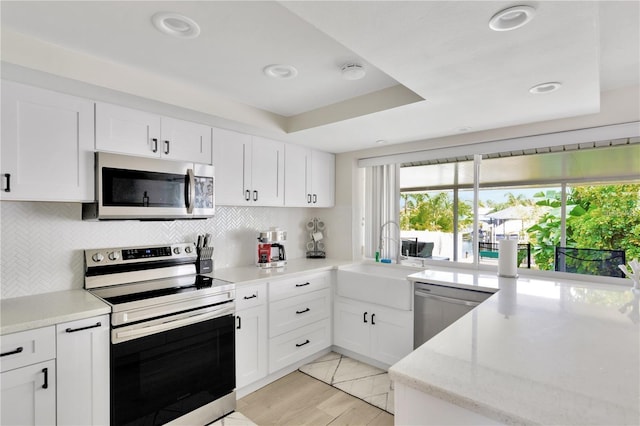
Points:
(42, 243)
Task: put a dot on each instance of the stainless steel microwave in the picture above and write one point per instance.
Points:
(141, 188)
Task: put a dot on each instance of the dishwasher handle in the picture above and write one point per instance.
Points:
(422, 293)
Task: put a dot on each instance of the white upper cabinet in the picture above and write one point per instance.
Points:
(47, 145)
(309, 177)
(249, 169)
(130, 131)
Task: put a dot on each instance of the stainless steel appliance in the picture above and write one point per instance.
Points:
(436, 307)
(172, 334)
(148, 188)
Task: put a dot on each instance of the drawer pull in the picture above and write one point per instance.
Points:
(239, 323)
(302, 285)
(253, 296)
(303, 311)
(45, 385)
(16, 351)
(73, 330)
(302, 344)
(8, 187)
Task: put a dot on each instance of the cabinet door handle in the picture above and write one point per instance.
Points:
(302, 285)
(8, 187)
(73, 330)
(239, 323)
(166, 147)
(303, 311)
(45, 385)
(365, 317)
(255, 195)
(155, 145)
(13, 352)
(308, 198)
(247, 195)
(315, 198)
(253, 296)
(302, 344)
(373, 321)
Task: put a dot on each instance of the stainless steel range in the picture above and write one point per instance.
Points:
(172, 334)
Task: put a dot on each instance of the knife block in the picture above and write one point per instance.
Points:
(204, 262)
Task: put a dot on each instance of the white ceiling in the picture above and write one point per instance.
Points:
(433, 67)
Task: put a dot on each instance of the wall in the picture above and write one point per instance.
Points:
(42, 243)
(616, 106)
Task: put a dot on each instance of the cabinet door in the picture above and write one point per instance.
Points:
(185, 141)
(24, 399)
(127, 131)
(323, 177)
(297, 176)
(391, 334)
(231, 153)
(267, 172)
(251, 345)
(351, 326)
(83, 371)
(47, 145)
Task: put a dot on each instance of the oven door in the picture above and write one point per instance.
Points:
(162, 376)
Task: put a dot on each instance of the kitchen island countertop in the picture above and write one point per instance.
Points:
(539, 351)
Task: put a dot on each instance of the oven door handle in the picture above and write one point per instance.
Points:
(124, 335)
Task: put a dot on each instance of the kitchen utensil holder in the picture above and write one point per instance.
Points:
(204, 263)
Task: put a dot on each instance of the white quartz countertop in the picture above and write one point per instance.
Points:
(252, 274)
(42, 310)
(538, 351)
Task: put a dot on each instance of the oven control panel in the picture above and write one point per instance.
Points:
(126, 255)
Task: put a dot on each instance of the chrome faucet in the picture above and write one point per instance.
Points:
(399, 240)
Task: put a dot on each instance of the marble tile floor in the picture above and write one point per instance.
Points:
(361, 380)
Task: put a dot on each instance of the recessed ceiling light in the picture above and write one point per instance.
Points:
(353, 72)
(280, 71)
(511, 18)
(381, 141)
(464, 129)
(549, 87)
(176, 25)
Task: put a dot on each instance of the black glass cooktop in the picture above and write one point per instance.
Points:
(148, 290)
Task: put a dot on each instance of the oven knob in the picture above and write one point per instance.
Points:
(114, 255)
(177, 250)
(188, 249)
(97, 257)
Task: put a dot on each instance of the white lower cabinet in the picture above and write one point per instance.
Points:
(299, 318)
(83, 371)
(375, 331)
(28, 378)
(251, 334)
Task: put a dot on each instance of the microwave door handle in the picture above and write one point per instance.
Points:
(191, 191)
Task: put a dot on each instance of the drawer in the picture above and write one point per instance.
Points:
(288, 314)
(298, 344)
(290, 287)
(27, 347)
(250, 296)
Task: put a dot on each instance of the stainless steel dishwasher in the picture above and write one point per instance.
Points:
(436, 307)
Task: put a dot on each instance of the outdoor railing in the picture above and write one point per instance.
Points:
(590, 261)
(491, 250)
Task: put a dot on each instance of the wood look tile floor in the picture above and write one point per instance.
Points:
(297, 399)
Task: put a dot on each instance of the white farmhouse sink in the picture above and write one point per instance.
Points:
(383, 284)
